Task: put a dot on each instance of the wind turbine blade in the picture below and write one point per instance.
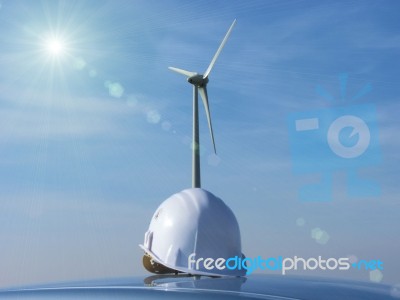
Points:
(219, 50)
(183, 72)
(204, 97)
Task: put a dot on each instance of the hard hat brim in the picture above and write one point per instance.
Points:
(154, 267)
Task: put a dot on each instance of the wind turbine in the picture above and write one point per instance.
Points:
(199, 83)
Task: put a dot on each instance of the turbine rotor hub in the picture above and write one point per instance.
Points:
(198, 80)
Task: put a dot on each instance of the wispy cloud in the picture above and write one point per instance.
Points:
(66, 118)
(27, 115)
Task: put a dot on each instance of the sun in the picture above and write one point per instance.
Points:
(55, 47)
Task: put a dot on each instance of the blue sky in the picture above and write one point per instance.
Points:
(91, 142)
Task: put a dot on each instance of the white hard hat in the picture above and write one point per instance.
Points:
(193, 221)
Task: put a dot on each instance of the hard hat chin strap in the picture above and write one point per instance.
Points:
(155, 267)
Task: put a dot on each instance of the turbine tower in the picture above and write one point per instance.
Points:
(199, 83)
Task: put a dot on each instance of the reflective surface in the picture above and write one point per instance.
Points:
(183, 287)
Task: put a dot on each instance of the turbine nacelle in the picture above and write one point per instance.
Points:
(198, 80)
